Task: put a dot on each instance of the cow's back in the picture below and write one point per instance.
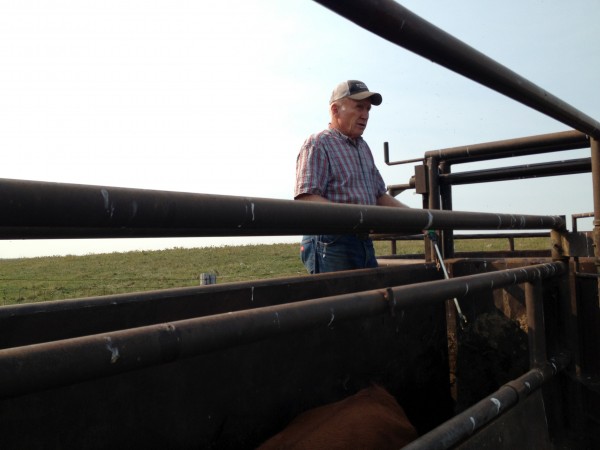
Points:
(370, 419)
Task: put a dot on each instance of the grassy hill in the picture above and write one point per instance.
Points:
(53, 278)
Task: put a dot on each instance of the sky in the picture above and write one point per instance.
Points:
(217, 97)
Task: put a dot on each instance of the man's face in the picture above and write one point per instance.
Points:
(352, 116)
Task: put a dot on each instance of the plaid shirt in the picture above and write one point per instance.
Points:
(338, 168)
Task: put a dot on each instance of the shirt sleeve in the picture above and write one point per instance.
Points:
(381, 188)
(378, 184)
(312, 169)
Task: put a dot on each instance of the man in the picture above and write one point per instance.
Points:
(336, 165)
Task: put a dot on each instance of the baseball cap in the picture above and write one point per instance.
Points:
(356, 90)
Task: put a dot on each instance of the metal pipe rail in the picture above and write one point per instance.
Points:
(386, 157)
(400, 26)
(42, 210)
(576, 217)
(420, 237)
(568, 167)
(47, 365)
(474, 418)
(393, 238)
(507, 148)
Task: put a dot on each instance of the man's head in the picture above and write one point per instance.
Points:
(349, 107)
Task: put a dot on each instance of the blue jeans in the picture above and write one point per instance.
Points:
(334, 252)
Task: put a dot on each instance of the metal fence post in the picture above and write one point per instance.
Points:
(446, 203)
(432, 164)
(536, 330)
(595, 150)
(208, 278)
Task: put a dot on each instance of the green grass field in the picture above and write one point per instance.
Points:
(54, 278)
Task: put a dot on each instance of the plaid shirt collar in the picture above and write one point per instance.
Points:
(356, 142)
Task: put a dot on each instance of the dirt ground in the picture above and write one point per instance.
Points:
(489, 352)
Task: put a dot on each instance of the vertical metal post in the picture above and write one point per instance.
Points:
(595, 150)
(428, 248)
(433, 169)
(557, 250)
(208, 278)
(434, 195)
(568, 336)
(536, 330)
(446, 200)
(574, 406)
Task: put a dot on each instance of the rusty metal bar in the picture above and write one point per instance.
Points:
(587, 275)
(447, 236)
(465, 424)
(386, 157)
(458, 237)
(41, 210)
(568, 167)
(536, 331)
(576, 217)
(400, 26)
(50, 364)
(582, 215)
(558, 251)
(433, 198)
(433, 173)
(33, 323)
(396, 189)
(530, 145)
(595, 149)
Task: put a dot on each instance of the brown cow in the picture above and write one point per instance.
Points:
(370, 419)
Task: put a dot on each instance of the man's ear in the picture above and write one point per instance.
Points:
(333, 109)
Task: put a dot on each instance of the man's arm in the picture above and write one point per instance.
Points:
(383, 200)
(388, 200)
(312, 198)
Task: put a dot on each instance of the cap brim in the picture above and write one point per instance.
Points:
(376, 98)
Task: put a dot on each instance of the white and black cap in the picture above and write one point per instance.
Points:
(356, 90)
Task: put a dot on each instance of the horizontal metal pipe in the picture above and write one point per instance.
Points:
(536, 329)
(587, 275)
(508, 148)
(570, 167)
(405, 161)
(393, 22)
(386, 157)
(459, 237)
(33, 323)
(33, 209)
(582, 215)
(576, 217)
(396, 189)
(465, 424)
(46, 365)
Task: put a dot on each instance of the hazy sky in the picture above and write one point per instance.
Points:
(217, 97)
